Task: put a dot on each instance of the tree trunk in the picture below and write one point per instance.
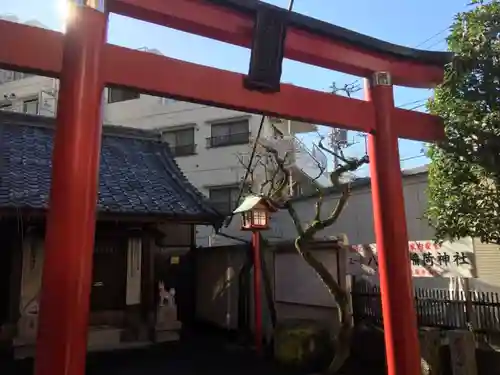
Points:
(342, 341)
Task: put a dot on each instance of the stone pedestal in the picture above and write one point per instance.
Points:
(103, 337)
(167, 326)
(430, 343)
(462, 352)
(27, 328)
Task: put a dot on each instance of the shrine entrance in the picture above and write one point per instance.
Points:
(109, 277)
(85, 64)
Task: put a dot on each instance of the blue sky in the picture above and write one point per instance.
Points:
(407, 22)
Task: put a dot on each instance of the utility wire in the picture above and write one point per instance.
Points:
(432, 37)
(417, 46)
(410, 103)
(416, 107)
(418, 103)
(228, 220)
(412, 157)
(436, 43)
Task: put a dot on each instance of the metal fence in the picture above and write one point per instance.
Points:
(479, 311)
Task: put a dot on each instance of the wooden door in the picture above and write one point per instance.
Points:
(109, 276)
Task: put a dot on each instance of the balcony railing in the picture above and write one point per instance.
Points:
(228, 140)
(183, 150)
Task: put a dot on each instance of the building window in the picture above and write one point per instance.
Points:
(30, 107)
(229, 133)
(116, 95)
(10, 76)
(6, 76)
(17, 76)
(224, 199)
(181, 142)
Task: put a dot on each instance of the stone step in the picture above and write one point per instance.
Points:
(104, 336)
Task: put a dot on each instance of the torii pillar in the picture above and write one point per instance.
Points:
(69, 243)
(400, 323)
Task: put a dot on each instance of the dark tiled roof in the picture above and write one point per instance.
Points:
(138, 174)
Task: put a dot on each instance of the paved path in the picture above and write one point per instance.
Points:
(199, 356)
(195, 356)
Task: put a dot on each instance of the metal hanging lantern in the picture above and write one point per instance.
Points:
(255, 212)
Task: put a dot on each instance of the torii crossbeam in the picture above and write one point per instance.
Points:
(85, 64)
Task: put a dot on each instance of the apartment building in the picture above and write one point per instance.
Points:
(213, 145)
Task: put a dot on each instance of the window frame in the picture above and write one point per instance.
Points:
(181, 149)
(26, 102)
(8, 75)
(231, 203)
(232, 137)
(124, 92)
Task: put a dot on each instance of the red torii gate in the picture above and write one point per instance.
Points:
(85, 64)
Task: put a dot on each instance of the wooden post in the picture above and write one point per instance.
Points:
(257, 291)
(469, 309)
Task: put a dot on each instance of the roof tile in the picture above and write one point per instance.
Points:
(137, 175)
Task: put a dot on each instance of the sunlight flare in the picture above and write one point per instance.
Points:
(65, 12)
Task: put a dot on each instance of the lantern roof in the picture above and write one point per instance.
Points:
(255, 201)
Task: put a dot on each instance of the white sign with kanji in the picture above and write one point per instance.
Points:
(427, 259)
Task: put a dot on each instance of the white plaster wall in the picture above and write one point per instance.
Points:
(357, 219)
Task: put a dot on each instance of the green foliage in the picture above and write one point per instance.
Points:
(464, 176)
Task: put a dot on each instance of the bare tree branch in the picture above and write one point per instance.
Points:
(274, 187)
(339, 156)
(251, 168)
(348, 89)
(272, 178)
(280, 180)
